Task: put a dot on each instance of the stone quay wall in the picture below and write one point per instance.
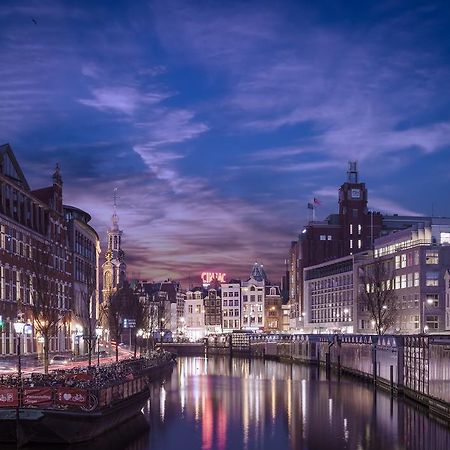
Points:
(416, 366)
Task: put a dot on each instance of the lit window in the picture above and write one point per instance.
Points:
(432, 257)
(351, 243)
(432, 279)
(433, 300)
(359, 229)
(403, 260)
(359, 243)
(403, 281)
(445, 237)
(351, 228)
(323, 237)
(397, 262)
(416, 279)
(329, 238)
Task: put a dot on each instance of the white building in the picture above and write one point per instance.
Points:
(194, 313)
(252, 293)
(231, 306)
(330, 295)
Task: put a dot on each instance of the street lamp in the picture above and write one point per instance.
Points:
(98, 333)
(19, 326)
(429, 302)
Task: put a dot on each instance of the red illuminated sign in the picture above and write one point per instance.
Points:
(37, 396)
(8, 397)
(207, 277)
(72, 396)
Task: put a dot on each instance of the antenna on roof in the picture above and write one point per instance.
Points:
(352, 171)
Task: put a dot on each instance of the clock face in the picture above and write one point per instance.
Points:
(356, 193)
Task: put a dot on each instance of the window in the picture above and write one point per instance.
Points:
(225, 294)
(359, 243)
(432, 322)
(416, 258)
(403, 260)
(355, 213)
(432, 257)
(351, 243)
(329, 237)
(403, 281)
(351, 228)
(252, 298)
(397, 282)
(445, 237)
(410, 280)
(323, 237)
(259, 298)
(416, 279)
(359, 229)
(432, 300)
(225, 301)
(432, 279)
(397, 262)
(245, 298)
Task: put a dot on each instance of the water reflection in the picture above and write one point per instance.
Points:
(240, 404)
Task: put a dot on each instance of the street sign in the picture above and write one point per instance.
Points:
(129, 323)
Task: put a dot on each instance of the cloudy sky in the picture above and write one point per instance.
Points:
(219, 120)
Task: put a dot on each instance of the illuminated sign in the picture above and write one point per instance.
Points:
(207, 277)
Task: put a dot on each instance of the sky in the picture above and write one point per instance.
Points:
(218, 121)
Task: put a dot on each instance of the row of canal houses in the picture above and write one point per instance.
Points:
(251, 305)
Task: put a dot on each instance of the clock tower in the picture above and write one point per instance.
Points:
(358, 225)
(114, 267)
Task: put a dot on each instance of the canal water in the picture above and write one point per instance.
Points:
(221, 404)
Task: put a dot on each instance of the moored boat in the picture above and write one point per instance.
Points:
(77, 405)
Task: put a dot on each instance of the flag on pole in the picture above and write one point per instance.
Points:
(316, 201)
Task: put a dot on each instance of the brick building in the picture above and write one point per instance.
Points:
(32, 227)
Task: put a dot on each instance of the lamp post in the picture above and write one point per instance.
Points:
(429, 302)
(140, 334)
(98, 333)
(19, 326)
(161, 330)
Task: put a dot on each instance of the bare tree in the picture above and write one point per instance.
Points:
(113, 313)
(140, 315)
(44, 301)
(86, 314)
(377, 294)
(119, 306)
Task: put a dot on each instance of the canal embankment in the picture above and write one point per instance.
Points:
(414, 366)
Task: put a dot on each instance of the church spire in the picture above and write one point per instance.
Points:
(115, 217)
(114, 267)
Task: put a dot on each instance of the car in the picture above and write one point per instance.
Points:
(60, 359)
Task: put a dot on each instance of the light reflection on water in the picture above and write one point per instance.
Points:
(240, 404)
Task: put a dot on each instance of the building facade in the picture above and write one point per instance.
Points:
(32, 229)
(213, 311)
(420, 260)
(354, 229)
(253, 304)
(85, 247)
(194, 314)
(330, 295)
(231, 305)
(272, 309)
